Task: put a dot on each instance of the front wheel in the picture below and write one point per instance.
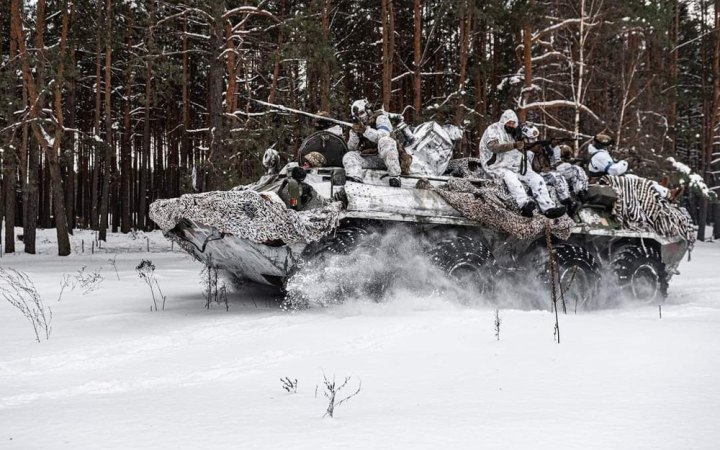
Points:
(577, 276)
(349, 264)
(466, 261)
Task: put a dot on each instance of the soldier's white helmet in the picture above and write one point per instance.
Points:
(271, 159)
(530, 132)
(360, 109)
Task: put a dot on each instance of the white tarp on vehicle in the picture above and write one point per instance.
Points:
(639, 207)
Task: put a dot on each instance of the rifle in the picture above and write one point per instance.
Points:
(548, 144)
(545, 143)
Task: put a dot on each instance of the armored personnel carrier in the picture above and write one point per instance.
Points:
(290, 219)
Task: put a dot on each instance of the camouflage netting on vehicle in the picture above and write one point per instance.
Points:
(639, 207)
(466, 168)
(485, 205)
(258, 217)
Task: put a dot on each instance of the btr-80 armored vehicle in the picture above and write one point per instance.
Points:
(270, 230)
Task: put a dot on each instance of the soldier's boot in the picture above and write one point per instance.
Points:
(570, 206)
(581, 195)
(528, 208)
(554, 213)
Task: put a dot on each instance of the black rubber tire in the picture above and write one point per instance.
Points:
(363, 244)
(578, 273)
(347, 239)
(641, 273)
(466, 260)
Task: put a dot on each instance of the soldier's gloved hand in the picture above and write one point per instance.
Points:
(359, 128)
(519, 145)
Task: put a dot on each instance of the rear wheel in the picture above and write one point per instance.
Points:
(641, 273)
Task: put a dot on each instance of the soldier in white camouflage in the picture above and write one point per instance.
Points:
(601, 162)
(544, 164)
(504, 155)
(576, 177)
(370, 144)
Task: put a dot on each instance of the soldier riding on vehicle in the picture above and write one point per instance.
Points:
(502, 155)
(370, 144)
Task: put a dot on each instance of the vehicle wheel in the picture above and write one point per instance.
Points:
(641, 273)
(348, 239)
(468, 261)
(577, 276)
(355, 252)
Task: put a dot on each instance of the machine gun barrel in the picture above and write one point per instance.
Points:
(549, 142)
(280, 108)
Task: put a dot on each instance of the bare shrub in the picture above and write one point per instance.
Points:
(146, 271)
(113, 263)
(88, 281)
(289, 385)
(332, 391)
(498, 321)
(66, 281)
(17, 288)
(214, 288)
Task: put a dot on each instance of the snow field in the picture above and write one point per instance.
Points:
(115, 375)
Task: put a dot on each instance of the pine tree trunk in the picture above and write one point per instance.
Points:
(276, 65)
(109, 147)
(96, 154)
(9, 170)
(31, 163)
(707, 120)
(673, 77)
(391, 50)
(230, 67)
(325, 74)
(95, 189)
(145, 153)
(69, 158)
(61, 224)
(581, 74)
(714, 144)
(480, 85)
(80, 191)
(9, 157)
(44, 201)
(527, 62)
(31, 194)
(186, 152)
(7, 93)
(125, 153)
(216, 134)
(417, 56)
(465, 33)
(386, 61)
(33, 211)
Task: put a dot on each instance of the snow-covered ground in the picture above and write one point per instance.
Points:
(116, 375)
